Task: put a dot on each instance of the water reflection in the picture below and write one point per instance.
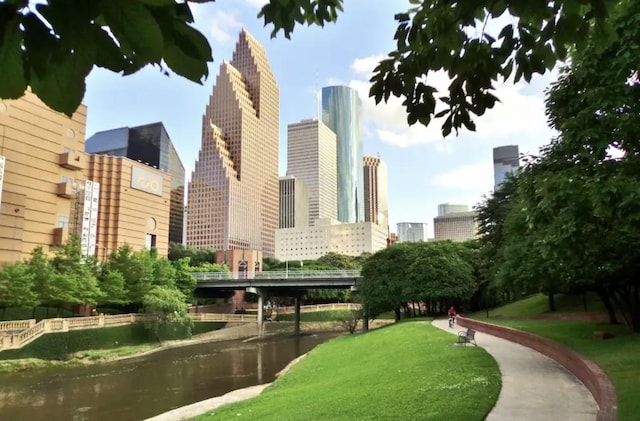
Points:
(142, 387)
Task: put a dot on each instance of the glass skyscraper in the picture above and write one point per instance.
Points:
(506, 159)
(342, 113)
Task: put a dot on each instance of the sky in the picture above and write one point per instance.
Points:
(424, 169)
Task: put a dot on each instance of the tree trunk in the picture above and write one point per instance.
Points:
(397, 313)
(552, 301)
(413, 305)
(604, 296)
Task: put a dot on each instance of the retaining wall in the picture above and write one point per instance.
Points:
(586, 370)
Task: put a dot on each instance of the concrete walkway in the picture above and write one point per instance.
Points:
(534, 387)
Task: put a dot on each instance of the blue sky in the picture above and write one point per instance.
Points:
(424, 169)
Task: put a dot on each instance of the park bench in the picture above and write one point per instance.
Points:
(467, 336)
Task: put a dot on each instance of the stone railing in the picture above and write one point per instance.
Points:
(318, 307)
(29, 330)
(16, 325)
(591, 375)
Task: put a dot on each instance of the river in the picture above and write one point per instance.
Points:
(138, 388)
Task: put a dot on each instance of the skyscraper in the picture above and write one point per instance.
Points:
(376, 201)
(233, 193)
(447, 208)
(342, 113)
(311, 157)
(149, 144)
(506, 159)
(456, 226)
(411, 232)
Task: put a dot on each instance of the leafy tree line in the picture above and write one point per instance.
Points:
(68, 278)
(434, 274)
(568, 221)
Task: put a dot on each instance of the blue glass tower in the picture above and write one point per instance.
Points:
(342, 113)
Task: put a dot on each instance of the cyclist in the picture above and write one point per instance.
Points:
(452, 316)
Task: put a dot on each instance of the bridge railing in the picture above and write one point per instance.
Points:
(282, 274)
(213, 276)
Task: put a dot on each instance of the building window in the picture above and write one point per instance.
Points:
(63, 221)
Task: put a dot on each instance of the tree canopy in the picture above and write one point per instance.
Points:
(52, 46)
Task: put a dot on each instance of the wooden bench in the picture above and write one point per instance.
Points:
(467, 336)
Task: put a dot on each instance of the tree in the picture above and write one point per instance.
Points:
(184, 281)
(137, 270)
(42, 272)
(16, 286)
(196, 255)
(168, 311)
(54, 47)
(112, 285)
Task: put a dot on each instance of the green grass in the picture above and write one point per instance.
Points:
(539, 304)
(408, 371)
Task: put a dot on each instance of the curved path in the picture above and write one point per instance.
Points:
(534, 387)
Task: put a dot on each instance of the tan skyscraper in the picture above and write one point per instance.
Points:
(233, 193)
(376, 201)
(311, 157)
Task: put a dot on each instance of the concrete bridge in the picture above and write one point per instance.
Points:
(277, 283)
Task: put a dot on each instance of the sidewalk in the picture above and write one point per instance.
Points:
(534, 387)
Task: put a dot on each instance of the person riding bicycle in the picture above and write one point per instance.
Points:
(452, 316)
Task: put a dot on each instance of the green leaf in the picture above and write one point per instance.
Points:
(13, 82)
(133, 25)
(184, 65)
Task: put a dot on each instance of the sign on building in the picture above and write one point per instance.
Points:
(146, 181)
(89, 231)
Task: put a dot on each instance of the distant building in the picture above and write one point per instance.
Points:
(506, 159)
(458, 226)
(233, 194)
(311, 158)
(294, 203)
(342, 113)
(150, 145)
(329, 235)
(411, 232)
(376, 201)
(393, 238)
(447, 208)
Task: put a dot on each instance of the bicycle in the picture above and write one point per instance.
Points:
(452, 321)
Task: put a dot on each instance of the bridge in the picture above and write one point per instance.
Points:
(277, 283)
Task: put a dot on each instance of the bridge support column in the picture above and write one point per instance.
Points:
(296, 330)
(260, 293)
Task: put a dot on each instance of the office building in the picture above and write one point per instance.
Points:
(506, 159)
(447, 208)
(311, 158)
(134, 204)
(458, 226)
(294, 203)
(233, 194)
(342, 113)
(329, 235)
(149, 144)
(376, 200)
(41, 157)
(411, 232)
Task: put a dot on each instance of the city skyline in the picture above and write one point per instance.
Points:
(424, 169)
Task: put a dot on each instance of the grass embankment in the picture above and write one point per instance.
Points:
(81, 347)
(406, 371)
(538, 304)
(618, 356)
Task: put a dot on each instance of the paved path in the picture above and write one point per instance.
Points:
(534, 387)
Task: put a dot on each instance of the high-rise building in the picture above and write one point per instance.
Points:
(506, 159)
(376, 200)
(447, 208)
(311, 157)
(233, 193)
(342, 113)
(411, 232)
(149, 144)
(294, 203)
(457, 226)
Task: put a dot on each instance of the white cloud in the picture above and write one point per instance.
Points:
(256, 3)
(223, 27)
(467, 178)
(516, 113)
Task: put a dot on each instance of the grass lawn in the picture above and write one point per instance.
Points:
(618, 357)
(539, 304)
(407, 371)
